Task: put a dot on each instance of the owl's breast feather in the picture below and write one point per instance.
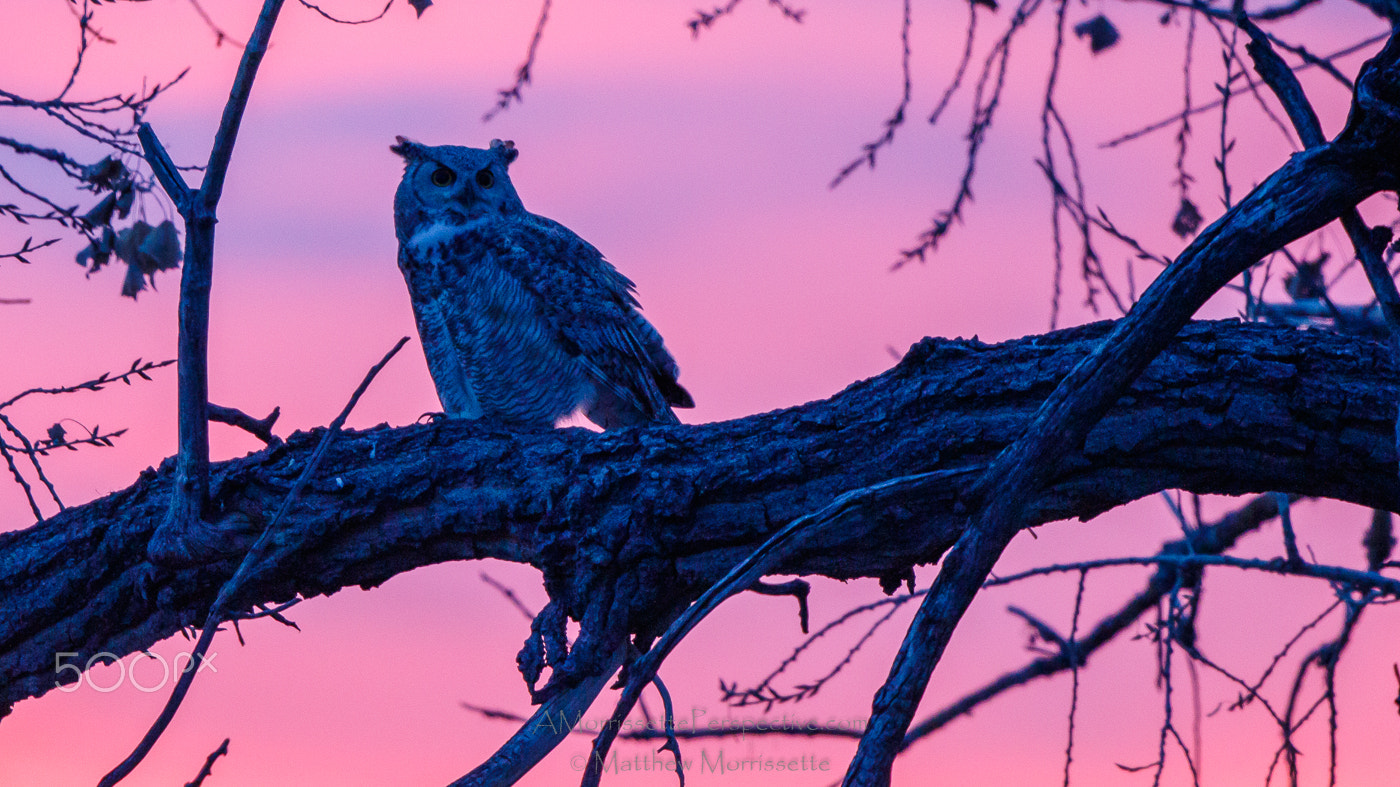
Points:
(445, 351)
(434, 234)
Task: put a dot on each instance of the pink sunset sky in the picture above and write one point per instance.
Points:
(700, 168)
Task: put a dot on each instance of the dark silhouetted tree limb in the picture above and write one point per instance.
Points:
(1228, 408)
(199, 209)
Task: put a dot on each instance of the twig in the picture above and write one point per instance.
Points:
(209, 765)
(1350, 576)
(867, 157)
(138, 369)
(764, 692)
(1396, 668)
(167, 174)
(340, 21)
(1285, 85)
(1075, 662)
(669, 715)
(799, 589)
(18, 255)
(274, 612)
(968, 39)
(984, 106)
(23, 483)
(1161, 124)
(1043, 630)
(261, 429)
(704, 19)
(29, 450)
(1212, 539)
(34, 450)
(219, 35)
(509, 594)
(1290, 541)
(522, 74)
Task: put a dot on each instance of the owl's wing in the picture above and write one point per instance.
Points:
(594, 311)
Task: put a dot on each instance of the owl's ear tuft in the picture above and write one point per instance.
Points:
(405, 147)
(505, 150)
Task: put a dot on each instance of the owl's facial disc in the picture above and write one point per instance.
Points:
(442, 180)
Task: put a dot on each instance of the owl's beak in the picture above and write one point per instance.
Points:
(465, 197)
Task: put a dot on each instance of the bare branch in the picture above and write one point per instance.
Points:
(340, 21)
(139, 369)
(522, 74)
(208, 768)
(867, 158)
(430, 493)
(220, 36)
(199, 209)
(1357, 164)
(703, 20)
(1161, 124)
(1368, 244)
(985, 102)
(761, 561)
(262, 553)
(764, 694)
(261, 429)
(28, 247)
(509, 596)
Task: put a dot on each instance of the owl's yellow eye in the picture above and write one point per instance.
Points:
(443, 177)
(485, 179)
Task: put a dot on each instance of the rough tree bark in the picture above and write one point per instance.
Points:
(647, 518)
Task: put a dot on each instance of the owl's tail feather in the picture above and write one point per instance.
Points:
(676, 396)
(610, 410)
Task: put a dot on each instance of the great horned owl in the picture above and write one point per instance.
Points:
(521, 319)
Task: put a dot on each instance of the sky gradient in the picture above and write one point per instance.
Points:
(700, 169)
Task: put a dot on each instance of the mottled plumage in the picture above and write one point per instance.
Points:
(521, 319)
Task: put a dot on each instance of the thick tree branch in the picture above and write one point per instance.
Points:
(1228, 408)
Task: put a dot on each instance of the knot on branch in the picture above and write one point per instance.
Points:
(547, 645)
(618, 603)
(604, 567)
